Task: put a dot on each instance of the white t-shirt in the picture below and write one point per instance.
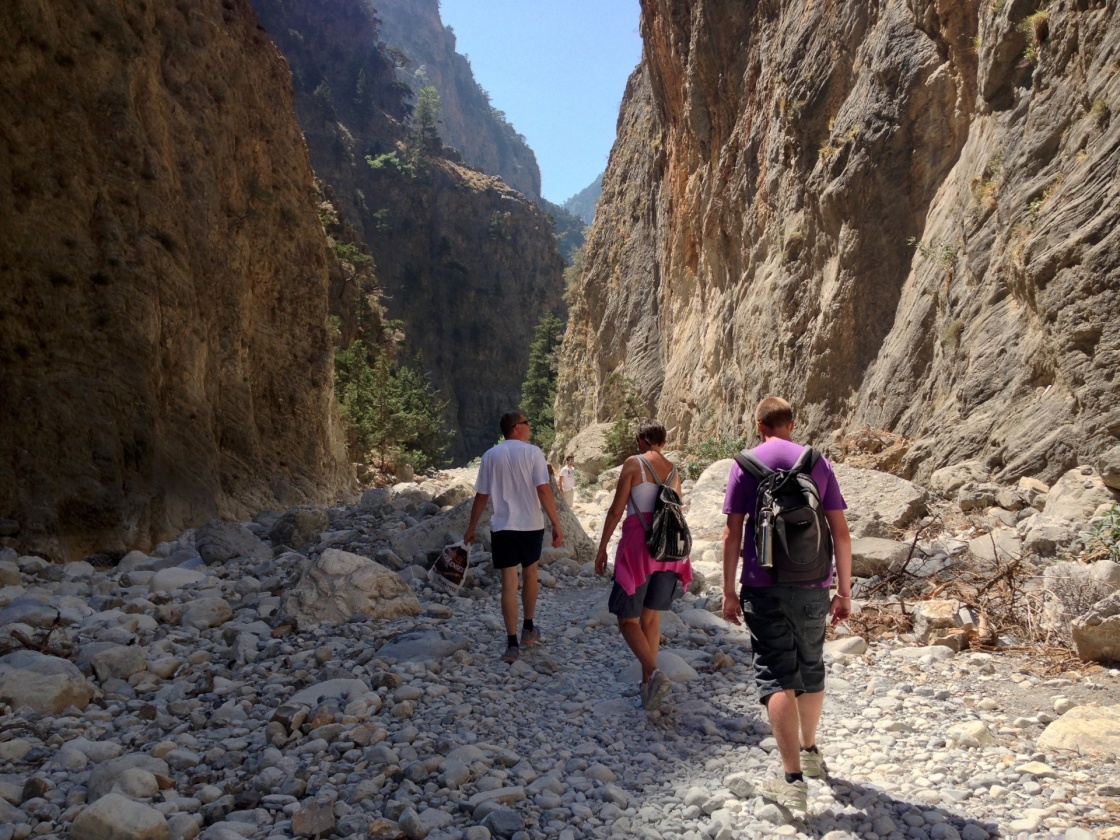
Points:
(567, 478)
(510, 474)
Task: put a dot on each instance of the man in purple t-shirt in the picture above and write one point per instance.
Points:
(786, 623)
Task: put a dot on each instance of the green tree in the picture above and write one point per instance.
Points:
(424, 141)
(394, 412)
(538, 391)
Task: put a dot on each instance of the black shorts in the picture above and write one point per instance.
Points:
(516, 548)
(656, 593)
(787, 627)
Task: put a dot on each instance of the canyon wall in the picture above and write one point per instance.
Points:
(468, 263)
(897, 214)
(485, 139)
(163, 315)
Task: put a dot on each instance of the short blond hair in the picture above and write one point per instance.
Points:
(774, 413)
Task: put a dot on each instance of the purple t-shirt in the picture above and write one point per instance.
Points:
(742, 488)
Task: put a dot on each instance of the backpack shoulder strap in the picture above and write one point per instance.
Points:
(807, 461)
(656, 477)
(750, 464)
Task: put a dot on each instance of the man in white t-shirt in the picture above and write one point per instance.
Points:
(568, 480)
(514, 474)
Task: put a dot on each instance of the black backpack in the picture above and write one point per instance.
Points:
(791, 535)
(667, 538)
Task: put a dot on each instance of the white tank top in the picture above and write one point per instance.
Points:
(643, 496)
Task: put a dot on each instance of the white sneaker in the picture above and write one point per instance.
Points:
(659, 686)
(791, 795)
(812, 763)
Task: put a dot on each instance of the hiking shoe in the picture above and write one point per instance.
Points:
(530, 637)
(659, 686)
(512, 654)
(812, 763)
(791, 795)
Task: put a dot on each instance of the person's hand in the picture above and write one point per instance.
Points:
(732, 612)
(557, 536)
(841, 608)
(468, 537)
(601, 562)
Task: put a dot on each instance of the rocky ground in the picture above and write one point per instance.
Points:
(195, 692)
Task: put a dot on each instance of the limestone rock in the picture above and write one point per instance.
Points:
(206, 613)
(874, 556)
(948, 480)
(339, 585)
(423, 645)
(933, 615)
(218, 541)
(1096, 634)
(106, 774)
(673, 664)
(118, 662)
(1085, 729)
(115, 817)
(705, 514)
(298, 527)
(1000, 544)
(44, 683)
(893, 500)
(590, 449)
(1074, 590)
(1077, 495)
(176, 577)
(977, 495)
(1108, 466)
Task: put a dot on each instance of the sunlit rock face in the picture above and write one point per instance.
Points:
(899, 215)
(164, 355)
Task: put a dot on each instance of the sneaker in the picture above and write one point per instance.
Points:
(643, 693)
(812, 763)
(512, 654)
(791, 795)
(530, 637)
(659, 686)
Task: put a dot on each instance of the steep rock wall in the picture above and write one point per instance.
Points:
(163, 315)
(468, 263)
(899, 214)
(469, 123)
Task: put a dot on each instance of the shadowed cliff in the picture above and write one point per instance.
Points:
(164, 343)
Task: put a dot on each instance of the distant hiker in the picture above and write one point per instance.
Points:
(643, 587)
(786, 621)
(515, 475)
(568, 480)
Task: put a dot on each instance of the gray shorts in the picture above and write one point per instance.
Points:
(656, 593)
(787, 625)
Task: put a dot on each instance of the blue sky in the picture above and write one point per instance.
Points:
(558, 70)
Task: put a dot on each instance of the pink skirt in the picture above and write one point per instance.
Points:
(633, 563)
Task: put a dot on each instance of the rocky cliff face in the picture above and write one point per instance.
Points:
(485, 140)
(897, 214)
(164, 348)
(468, 263)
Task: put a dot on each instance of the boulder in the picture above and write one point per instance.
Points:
(977, 495)
(1085, 729)
(948, 480)
(341, 691)
(590, 450)
(871, 494)
(423, 645)
(299, 526)
(931, 617)
(705, 514)
(608, 479)
(875, 556)
(29, 611)
(118, 662)
(115, 817)
(1077, 495)
(1096, 633)
(1044, 536)
(340, 585)
(1000, 544)
(219, 541)
(1108, 465)
(43, 683)
(1034, 491)
(176, 577)
(206, 613)
(108, 773)
(672, 664)
(455, 494)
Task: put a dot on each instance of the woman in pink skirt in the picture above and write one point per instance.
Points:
(643, 587)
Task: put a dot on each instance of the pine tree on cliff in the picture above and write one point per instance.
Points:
(424, 141)
(538, 392)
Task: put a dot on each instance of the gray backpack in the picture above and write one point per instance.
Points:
(791, 535)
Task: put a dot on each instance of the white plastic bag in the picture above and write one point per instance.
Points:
(449, 572)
